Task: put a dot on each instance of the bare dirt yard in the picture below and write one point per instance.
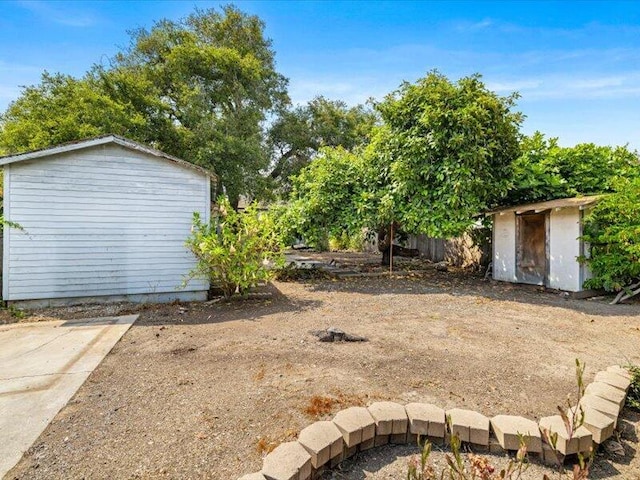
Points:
(204, 390)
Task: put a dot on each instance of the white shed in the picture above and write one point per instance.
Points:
(540, 243)
(104, 220)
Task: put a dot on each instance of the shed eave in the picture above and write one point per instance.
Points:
(98, 141)
(572, 202)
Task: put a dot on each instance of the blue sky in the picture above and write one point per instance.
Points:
(576, 64)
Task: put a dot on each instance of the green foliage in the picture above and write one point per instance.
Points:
(535, 177)
(612, 230)
(236, 251)
(322, 203)
(62, 109)
(443, 154)
(546, 171)
(345, 241)
(297, 135)
(198, 89)
(16, 312)
(633, 396)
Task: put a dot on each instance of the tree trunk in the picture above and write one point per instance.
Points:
(384, 244)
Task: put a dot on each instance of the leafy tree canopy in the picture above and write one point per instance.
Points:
(199, 89)
(62, 109)
(442, 155)
(297, 134)
(546, 171)
(325, 198)
(612, 229)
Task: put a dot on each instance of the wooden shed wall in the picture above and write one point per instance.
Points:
(101, 221)
(564, 270)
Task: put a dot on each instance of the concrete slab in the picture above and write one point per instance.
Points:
(42, 365)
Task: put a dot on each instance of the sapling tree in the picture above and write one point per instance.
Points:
(236, 250)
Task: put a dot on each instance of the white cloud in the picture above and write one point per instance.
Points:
(465, 26)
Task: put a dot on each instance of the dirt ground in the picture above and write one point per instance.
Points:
(204, 390)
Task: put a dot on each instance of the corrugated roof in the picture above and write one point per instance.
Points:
(97, 141)
(549, 205)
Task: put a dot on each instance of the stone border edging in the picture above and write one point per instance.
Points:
(324, 444)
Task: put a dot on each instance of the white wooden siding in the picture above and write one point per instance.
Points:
(101, 221)
(504, 247)
(564, 249)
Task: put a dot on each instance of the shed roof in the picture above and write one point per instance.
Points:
(95, 142)
(579, 202)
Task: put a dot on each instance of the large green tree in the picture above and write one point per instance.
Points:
(200, 88)
(442, 155)
(297, 134)
(215, 73)
(61, 109)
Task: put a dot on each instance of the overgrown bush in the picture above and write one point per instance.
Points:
(347, 241)
(323, 204)
(612, 229)
(237, 250)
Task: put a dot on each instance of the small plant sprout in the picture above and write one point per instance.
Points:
(572, 420)
(478, 467)
(469, 467)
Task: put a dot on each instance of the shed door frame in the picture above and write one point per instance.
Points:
(541, 276)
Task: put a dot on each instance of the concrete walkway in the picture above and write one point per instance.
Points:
(42, 365)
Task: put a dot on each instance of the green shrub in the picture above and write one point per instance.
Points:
(612, 229)
(633, 396)
(236, 251)
(345, 241)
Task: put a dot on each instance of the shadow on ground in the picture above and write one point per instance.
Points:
(460, 284)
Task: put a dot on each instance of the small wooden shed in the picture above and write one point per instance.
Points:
(540, 243)
(104, 219)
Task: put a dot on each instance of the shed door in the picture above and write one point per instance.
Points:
(531, 254)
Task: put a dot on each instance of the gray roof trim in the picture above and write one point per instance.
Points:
(98, 141)
(576, 202)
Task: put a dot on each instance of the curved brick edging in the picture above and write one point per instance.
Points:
(323, 445)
